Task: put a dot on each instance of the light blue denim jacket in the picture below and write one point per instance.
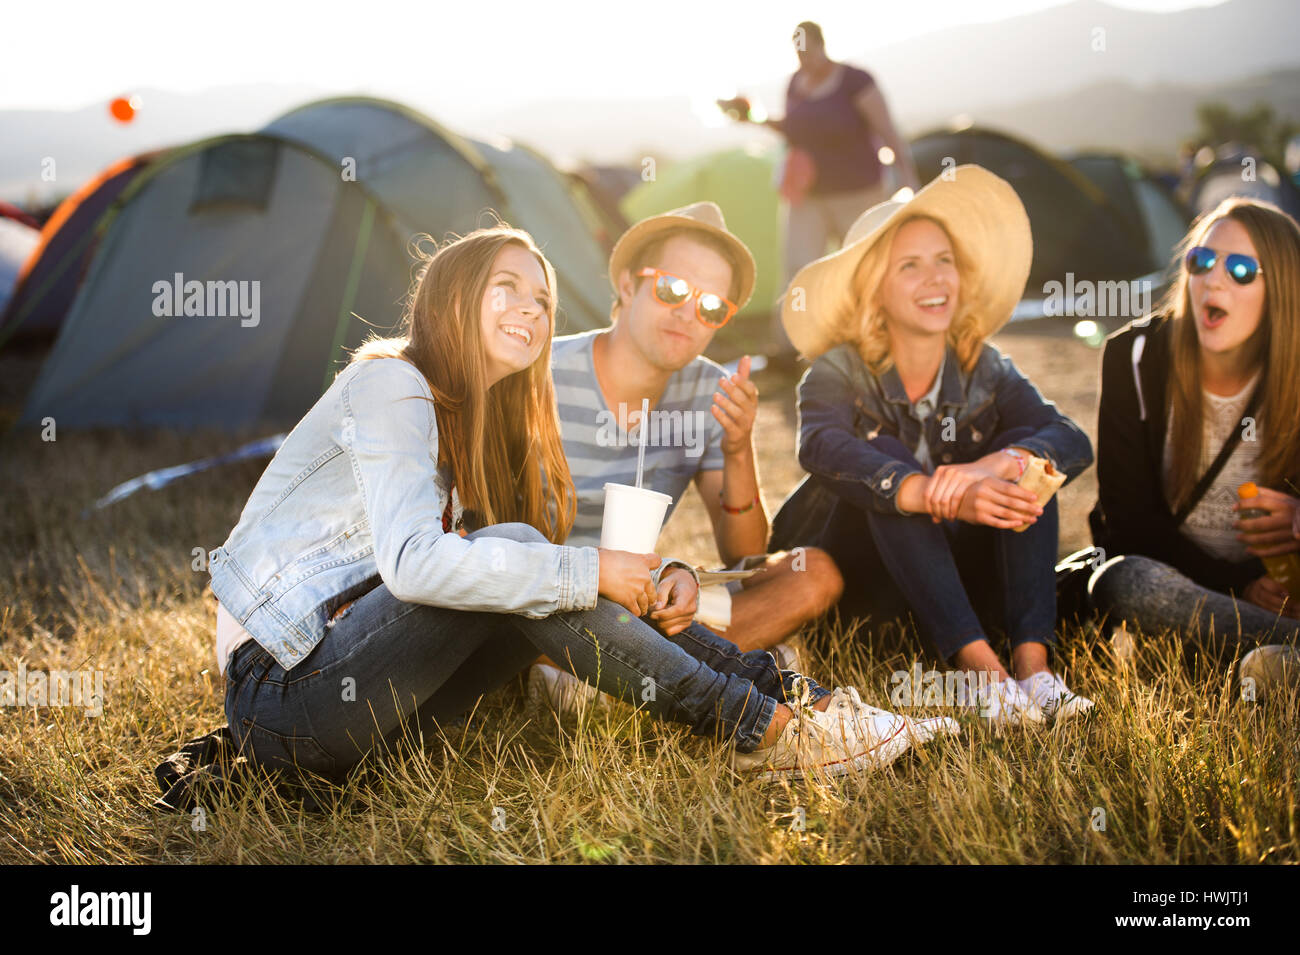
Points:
(355, 496)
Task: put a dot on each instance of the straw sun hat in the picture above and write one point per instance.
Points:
(704, 216)
(985, 219)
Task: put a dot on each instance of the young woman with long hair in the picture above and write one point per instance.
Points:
(915, 430)
(1198, 399)
(352, 612)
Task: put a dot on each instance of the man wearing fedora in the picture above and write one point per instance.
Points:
(677, 278)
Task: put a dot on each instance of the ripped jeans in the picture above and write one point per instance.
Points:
(387, 668)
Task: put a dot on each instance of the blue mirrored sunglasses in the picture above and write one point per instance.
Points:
(1242, 268)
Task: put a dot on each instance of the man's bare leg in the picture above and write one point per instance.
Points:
(794, 588)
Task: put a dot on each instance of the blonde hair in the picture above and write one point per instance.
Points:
(861, 313)
(1275, 348)
(502, 443)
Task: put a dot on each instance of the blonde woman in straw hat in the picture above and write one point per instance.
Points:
(915, 432)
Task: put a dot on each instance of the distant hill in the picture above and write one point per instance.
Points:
(1147, 122)
(1039, 75)
(1051, 52)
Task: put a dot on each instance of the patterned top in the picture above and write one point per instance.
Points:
(682, 439)
(1209, 525)
(922, 408)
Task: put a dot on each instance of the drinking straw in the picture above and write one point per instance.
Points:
(640, 454)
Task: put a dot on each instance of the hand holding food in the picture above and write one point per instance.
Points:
(1042, 479)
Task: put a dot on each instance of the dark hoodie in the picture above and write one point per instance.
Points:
(1132, 515)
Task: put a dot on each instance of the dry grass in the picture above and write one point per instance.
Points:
(1184, 771)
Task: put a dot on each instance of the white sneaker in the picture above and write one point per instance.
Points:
(875, 723)
(1053, 697)
(1006, 704)
(1274, 665)
(561, 691)
(818, 744)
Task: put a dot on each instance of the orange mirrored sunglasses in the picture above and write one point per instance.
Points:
(712, 310)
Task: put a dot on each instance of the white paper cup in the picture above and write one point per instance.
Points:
(633, 518)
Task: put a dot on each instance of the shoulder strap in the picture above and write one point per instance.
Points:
(1135, 356)
(1225, 452)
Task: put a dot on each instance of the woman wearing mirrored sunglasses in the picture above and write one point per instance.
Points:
(1196, 400)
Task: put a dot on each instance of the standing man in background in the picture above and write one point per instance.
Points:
(835, 122)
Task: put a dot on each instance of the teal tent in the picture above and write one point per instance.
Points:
(222, 292)
(230, 276)
(434, 181)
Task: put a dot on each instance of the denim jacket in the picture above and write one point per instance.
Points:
(354, 497)
(843, 408)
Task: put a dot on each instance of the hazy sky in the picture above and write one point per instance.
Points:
(475, 51)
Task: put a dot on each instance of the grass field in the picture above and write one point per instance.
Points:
(1172, 767)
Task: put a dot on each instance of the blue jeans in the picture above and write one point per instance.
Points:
(894, 564)
(386, 668)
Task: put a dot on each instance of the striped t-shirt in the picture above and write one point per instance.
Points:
(683, 437)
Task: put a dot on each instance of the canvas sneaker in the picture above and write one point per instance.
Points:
(561, 691)
(1006, 704)
(1053, 697)
(823, 744)
(875, 723)
(811, 744)
(1274, 665)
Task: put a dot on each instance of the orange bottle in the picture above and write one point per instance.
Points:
(1284, 568)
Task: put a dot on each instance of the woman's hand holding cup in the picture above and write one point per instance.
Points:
(625, 579)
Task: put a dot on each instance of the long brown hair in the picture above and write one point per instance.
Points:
(1275, 349)
(502, 443)
(860, 311)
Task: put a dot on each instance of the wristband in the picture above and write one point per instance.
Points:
(737, 510)
(1020, 460)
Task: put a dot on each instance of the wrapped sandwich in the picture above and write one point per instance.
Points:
(1041, 478)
